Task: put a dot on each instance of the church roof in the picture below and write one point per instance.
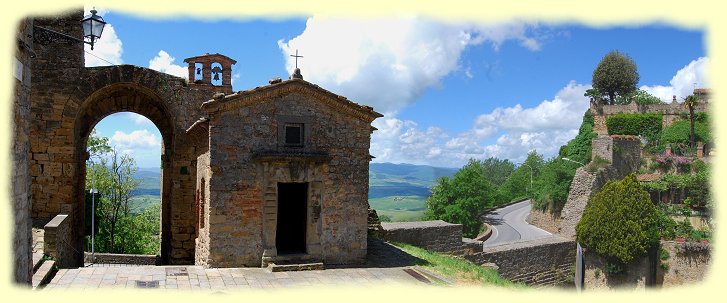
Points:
(258, 94)
(216, 55)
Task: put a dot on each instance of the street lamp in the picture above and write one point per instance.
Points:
(93, 192)
(531, 174)
(574, 161)
(92, 28)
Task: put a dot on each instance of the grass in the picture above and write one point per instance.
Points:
(459, 270)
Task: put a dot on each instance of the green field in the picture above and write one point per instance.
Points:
(399, 208)
(137, 204)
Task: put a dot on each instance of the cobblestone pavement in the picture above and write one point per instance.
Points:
(385, 265)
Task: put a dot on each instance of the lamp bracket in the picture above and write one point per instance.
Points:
(45, 36)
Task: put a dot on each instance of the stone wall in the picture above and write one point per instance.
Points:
(633, 277)
(670, 112)
(20, 185)
(58, 241)
(622, 152)
(684, 268)
(104, 258)
(544, 220)
(435, 235)
(547, 261)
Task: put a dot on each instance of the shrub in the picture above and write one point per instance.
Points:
(647, 125)
(620, 222)
(664, 254)
(678, 133)
(612, 268)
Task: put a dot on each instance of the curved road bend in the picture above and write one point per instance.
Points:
(508, 225)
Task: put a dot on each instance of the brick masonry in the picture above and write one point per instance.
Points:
(547, 261)
(435, 235)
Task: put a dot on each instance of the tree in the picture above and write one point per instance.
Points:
(113, 178)
(518, 184)
(119, 230)
(552, 185)
(690, 102)
(462, 198)
(496, 171)
(615, 75)
(620, 222)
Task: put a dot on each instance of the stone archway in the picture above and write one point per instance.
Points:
(65, 110)
(128, 97)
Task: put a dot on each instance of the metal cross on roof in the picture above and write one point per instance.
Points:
(296, 58)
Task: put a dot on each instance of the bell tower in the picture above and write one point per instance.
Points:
(212, 70)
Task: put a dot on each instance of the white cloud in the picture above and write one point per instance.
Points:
(137, 119)
(135, 141)
(505, 133)
(683, 82)
(107, 48)
(387, 63)
(163, 62)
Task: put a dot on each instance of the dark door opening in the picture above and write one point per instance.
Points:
(291, 229)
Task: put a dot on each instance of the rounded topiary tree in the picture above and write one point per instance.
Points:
(620, 222)
(615, 75)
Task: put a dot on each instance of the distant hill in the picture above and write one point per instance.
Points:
(150, 181)
(388, 179)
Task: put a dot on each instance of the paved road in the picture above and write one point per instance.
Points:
(508, 225)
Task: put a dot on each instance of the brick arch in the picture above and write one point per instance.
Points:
(136, 98)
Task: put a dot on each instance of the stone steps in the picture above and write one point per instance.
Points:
(37, 260)
(295, 267)
(43, 274)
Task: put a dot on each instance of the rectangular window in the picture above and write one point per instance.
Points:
(294, 134)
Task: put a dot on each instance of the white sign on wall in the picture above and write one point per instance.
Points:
(18, 69)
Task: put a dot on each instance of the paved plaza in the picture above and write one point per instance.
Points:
(198, 278)
(385, 266)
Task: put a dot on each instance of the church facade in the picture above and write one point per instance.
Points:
(284, 177)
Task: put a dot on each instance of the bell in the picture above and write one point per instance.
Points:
(217, 77)
(199, 71)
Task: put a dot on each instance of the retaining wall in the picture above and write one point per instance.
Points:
(547, 261)
(435, 235)
(105, 258)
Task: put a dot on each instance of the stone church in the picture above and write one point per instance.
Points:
(278, 173)
(283, 176)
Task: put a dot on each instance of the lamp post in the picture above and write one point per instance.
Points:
(531, 175)
(92, 28)
(574, 161)
(93, 192)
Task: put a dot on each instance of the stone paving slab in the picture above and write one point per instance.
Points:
(201, 279)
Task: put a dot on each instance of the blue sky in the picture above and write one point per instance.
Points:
(449, 91)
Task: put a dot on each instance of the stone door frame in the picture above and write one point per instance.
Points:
(291, 169)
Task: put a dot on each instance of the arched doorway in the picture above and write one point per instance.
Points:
(123, 214)
(129, 97)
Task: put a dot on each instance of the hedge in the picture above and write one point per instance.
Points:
(647, 125)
